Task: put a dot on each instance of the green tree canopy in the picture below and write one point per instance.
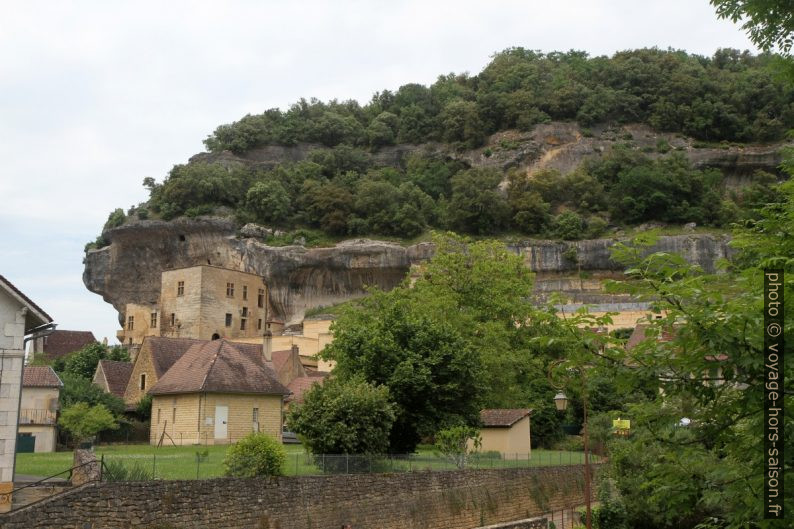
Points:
(344, 417)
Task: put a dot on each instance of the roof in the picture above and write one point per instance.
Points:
(166, 351)
(300, 385)
(39, 313)
(219, 366)
(280, 358)
(61, 342)
(639, 335)
(40, 377)
(117, 374)
(503, 418)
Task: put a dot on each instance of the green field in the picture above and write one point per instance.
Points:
(192, 462)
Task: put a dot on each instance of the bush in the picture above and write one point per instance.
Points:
(117, 471)
(344, 417)
(84, 422)
(255, 455)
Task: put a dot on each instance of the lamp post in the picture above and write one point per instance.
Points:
(561, 402)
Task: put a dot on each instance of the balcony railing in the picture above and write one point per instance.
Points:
(34, 416)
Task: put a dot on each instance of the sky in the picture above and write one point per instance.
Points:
(97, 95)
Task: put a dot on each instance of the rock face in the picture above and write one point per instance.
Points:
(128, 270)
(556, 145)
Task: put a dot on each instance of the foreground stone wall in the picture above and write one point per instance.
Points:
(439, 500)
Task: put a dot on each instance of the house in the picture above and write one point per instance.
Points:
(19, 317)
(113, 376)
(38, 409)
(61, 343)
(200, 302)
(506, 431)
(156, 356)
(216, 393)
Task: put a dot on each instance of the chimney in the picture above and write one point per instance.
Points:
(295, 350)
(267, 347)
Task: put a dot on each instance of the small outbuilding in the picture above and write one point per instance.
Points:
(506, 431)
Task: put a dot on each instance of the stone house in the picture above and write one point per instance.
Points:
(61, 343)
(38, 409)
(201, 302)
(156, 356)
(216, 393)
(506, 431)
(19, 317)
(113, 376)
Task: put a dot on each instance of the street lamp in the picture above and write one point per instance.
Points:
(561, 402)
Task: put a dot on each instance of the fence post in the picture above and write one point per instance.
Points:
(154, 466)
(347, 463)
(296, 463)
(101, 467)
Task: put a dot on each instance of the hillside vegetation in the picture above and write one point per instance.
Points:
(338, 190)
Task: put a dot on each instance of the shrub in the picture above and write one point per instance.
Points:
(453, 443)
(117, 471)
(257, 454)
(84, 422)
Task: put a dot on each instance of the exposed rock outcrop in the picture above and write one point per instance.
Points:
(556, 145)
(128, 270)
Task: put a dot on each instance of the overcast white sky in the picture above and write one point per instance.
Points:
(95, 96)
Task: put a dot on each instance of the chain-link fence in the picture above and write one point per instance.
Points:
(207, 462)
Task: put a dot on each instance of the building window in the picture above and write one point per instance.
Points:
(242, 324)
(229, 290)
(259, 324)
(173, 416)
(228, 320)
(158, 415)
(143, 384)
(245, 292)
(173, 319)
(260, 298)
(180, 288)
(154, 320)
(256, 415)
(130, 323)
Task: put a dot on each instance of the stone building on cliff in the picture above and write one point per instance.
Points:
(200, 302)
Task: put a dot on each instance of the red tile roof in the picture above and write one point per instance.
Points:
(639, 335)
(117, 375)
(301, 385)
(219, 366)
(502, 418)
(61, 342)
(166, 351)
(280, 359)
(40, 377)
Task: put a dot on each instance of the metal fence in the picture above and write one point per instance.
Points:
(203, 463)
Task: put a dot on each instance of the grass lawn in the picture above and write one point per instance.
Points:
(182, 462)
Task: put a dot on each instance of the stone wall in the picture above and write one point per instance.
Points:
(418, 500)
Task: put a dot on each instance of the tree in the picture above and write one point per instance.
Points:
(768, 23)
(83, 422)
(78, 389)
(457, 443)
(476, 205)
(711, 370)
(428, 368)
(268, 201)
(344, 417)
(256, 454)
(84, 362)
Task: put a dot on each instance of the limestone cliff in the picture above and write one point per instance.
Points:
(128, 270)
(556, 145)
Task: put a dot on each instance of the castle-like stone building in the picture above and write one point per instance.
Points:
(201, 302)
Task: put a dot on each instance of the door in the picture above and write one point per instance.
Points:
(221, 416)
